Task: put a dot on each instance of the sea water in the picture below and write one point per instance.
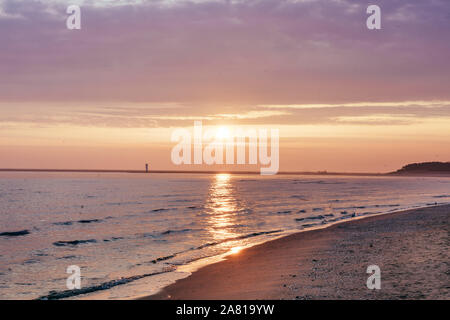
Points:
(131, 234)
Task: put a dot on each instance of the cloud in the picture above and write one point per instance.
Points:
(427, 104)
(131, 115)
(379, 119)
(224, 52)
(252, 114)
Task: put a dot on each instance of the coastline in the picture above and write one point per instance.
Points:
(293, 173)
(410, 247)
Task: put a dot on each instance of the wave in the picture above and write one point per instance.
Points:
(308, 225)
(113, 239)
(175, 231)
(385, 205)
(63, 223)
(161, 209)
(351, 207)
(163, 258)
(245, 236)
(302, 198)
(209, 244)
(89, 221)
(84, 221)
(344, 217)
(67, 257)
(194, 207)
(283, 212)
(14, 233)
(321, 217)
(368, 206)
(73, 242)
(56, 295)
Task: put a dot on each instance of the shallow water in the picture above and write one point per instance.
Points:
(121, 229)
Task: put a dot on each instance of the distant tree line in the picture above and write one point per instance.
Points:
(425, 167)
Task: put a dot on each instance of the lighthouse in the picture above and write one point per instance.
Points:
(146, 167)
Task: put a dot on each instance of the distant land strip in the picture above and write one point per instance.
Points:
(415, 169)
(189, 171)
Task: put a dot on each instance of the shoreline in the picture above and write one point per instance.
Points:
(279, 275)
(186, 270)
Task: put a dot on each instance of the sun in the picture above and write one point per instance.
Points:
(223, 133)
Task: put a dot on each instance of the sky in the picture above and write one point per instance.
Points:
(109, 96)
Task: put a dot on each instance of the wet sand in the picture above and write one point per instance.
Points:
(410, 247)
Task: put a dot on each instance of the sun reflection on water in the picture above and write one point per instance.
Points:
(222, 206)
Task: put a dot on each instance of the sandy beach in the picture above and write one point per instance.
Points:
(410, 247)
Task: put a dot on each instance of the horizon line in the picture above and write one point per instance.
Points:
(321, 172)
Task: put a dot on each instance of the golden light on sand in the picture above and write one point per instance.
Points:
(235, 250)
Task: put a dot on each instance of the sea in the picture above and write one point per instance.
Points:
(131, 234)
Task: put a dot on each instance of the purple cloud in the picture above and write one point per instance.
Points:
(225, 54)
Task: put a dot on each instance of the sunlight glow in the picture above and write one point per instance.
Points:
(235, 250)
(223, 133)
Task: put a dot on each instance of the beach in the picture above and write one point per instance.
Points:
(410, 247)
